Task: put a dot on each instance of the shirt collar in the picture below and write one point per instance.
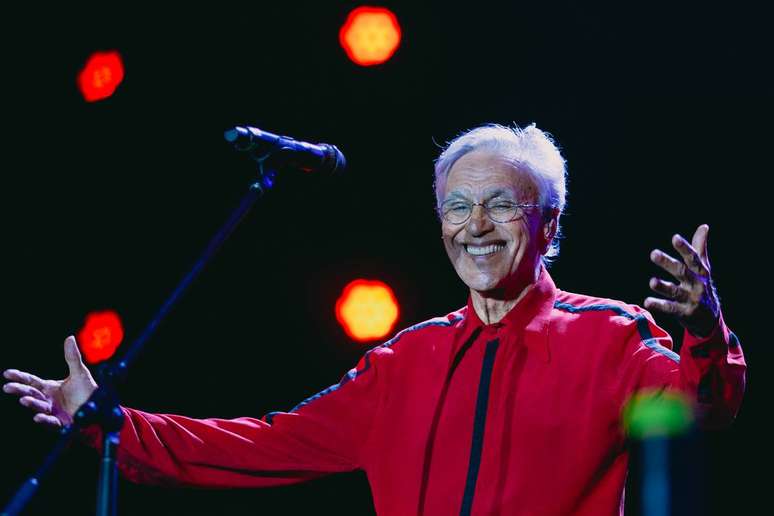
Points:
(530, 315)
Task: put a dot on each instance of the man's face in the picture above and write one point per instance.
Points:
(511, 250)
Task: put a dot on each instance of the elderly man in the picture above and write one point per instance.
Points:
(510, 405)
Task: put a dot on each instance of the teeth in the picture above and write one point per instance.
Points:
(476, 250)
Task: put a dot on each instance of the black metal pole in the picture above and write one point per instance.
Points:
(107, 489)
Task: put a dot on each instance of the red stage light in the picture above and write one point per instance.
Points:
(100, 336)
(367, 310)
(102, 74)
(370, 35)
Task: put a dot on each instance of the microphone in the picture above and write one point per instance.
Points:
(285, 151)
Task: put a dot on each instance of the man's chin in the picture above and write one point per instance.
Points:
(485, 286)
(494, 287)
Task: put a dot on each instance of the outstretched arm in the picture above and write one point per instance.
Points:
(326, 433)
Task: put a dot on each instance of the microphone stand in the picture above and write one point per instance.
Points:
(102, 408)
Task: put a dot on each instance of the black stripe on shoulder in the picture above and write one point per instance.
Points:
(354, 373)
(642, 324)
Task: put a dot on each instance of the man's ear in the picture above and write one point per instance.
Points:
(550, 226)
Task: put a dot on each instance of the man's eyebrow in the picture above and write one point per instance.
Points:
(499, 192)
(455, 195)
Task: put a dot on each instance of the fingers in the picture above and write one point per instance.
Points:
(674, 267)
(73, 356)
(35, 404)
(46, 419)
(21, 389)
(668, 289)
(699, 239)
(692, 298)
(662, 305)
(26, 378)
(689, 255)
(700, 242)
(30, 396)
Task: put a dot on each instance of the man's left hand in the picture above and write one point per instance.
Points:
(692, 299)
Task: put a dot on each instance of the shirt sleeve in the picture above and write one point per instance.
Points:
(709, 370)
(323, 434)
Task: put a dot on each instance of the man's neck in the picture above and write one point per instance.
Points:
(492, 307)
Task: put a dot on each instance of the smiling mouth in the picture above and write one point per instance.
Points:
(483, 250)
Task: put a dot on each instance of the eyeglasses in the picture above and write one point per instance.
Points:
(457, 211)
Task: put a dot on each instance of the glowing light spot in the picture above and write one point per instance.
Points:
(657, 413)
(367, 310)
(102, 74)
(370, 36)
(100, 336)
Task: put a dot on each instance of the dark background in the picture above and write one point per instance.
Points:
(661, 111)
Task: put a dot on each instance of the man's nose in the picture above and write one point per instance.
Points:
(479, 222)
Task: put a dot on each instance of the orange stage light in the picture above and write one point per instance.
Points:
(102, 74)
(370, 36)
(100, 336)
(367, 310)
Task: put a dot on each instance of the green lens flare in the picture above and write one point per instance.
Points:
(657, 413)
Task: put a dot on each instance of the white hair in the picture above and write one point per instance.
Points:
(531, 151)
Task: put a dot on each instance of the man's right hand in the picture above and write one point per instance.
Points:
(53, 401)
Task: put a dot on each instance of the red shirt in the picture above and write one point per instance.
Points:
(453, 416)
